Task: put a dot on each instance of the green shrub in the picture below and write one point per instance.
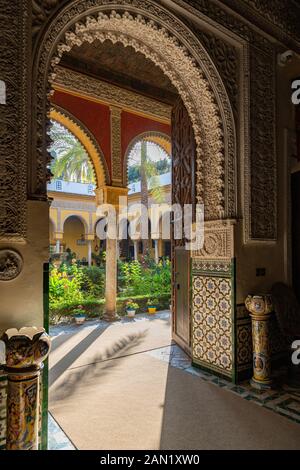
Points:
(94, 308)
(71, 285)
(93, 281)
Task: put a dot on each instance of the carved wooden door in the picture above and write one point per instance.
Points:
(183, 192)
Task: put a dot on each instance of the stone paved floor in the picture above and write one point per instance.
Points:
(282, 401)
(57, 439)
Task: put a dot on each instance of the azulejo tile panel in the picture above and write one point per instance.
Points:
(3, 394)
(212, 317)
(244, 345)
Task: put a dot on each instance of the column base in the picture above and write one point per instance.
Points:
(258, 385)
(111, 317)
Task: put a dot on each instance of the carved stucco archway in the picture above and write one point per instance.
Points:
(150, 136)
(162, 38)
(87, 140)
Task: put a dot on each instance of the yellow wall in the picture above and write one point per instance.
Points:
(73, 230)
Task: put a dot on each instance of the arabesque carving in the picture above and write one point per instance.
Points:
(13, 120)
(218, 242)
(151, 29)
(108, 93)
(116, 145)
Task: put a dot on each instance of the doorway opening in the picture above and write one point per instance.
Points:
(181, 85)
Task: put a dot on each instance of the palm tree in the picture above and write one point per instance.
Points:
(72, 162)
(148, 169)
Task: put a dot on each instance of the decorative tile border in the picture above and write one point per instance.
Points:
(57, 440)
(3, 386)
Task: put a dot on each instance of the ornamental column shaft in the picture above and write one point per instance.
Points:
(260, 308)
(156, 251)
(57, 247)
(136, 250)
(111, 279)
(89, 252)
(26, 350)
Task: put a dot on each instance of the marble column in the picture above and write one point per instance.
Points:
(156, 253)
(260, 308)
(136, 249)
(89, 242)
(57, 247)
(111, 280)
(26, 349)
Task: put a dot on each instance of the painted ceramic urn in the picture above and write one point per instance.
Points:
(260, 307)
(26, 348)
(259, 304)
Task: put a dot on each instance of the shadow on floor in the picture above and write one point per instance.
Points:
(98, 367)
(200, 415)
(61, 366)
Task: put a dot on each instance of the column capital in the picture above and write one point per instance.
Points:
(110, 195)
(58, 236)
(26, 348)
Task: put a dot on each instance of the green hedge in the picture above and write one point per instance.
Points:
(94, 308)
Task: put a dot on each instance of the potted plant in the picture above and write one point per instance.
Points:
(131, 308)
(152, 304)
(79, 315)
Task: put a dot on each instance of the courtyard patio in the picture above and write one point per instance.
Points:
(126, 385)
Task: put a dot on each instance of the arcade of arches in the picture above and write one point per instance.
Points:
(202, 80)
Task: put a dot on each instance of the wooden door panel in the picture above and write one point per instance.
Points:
(183, 192)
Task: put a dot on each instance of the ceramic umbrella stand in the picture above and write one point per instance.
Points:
(26, 349)
(260, 308)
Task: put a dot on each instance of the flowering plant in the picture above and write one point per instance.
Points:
(130, 305)
(79, 311)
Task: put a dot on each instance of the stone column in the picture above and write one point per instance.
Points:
(90, 238)
(156, 254)
(57, 247)
(89, 252)
(111, 280)
(26, 350)
(260, 308)
(136, 249)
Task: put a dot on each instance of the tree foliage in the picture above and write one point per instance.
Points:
(71, 161)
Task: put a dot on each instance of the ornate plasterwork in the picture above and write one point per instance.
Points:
(279, 17)
(260, 197)
(151, 30)
(41, 10)
(87, 140)
(261, 183)
(218, 242)
(11, 264)
(109, 94)
(13, 120)
(149, 137)
(116, 145)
